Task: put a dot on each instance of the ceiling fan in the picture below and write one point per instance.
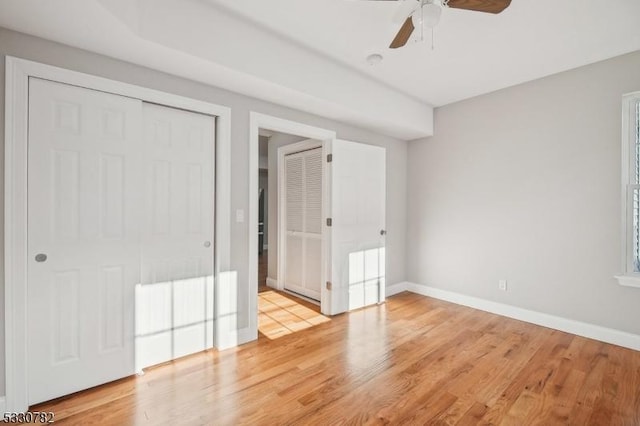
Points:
(427, 13)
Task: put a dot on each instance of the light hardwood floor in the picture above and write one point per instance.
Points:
(414, 360)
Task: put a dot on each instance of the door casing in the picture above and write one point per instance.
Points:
(259, 121)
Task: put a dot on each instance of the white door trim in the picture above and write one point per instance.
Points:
(282, 202)
(18, 72)
(259, 121)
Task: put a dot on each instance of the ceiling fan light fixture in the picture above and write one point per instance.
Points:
(431, 14)
(425, 15)
(428, 14)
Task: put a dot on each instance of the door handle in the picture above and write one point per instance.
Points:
(383, 232)
(41, 257)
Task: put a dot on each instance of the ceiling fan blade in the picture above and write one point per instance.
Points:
(406, 8)
(403, 34)
(488, 6)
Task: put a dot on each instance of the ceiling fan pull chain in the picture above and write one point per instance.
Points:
(421, 23)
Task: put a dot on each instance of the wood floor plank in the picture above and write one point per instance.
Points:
(413, 360)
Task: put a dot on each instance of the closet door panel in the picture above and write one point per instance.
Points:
(83, 237)
(177, 236)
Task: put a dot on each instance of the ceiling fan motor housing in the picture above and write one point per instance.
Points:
(427, 14)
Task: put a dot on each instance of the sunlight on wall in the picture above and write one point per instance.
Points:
(366, 277)
(279, 315)
(173, 319)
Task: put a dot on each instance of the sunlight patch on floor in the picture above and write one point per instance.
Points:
(278, 315)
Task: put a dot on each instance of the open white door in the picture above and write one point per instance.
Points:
(358, 180)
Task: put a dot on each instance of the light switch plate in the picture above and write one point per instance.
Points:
(502, 285)
(239, 216)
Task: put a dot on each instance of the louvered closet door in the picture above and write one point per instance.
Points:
(83, 240)
(303, 220)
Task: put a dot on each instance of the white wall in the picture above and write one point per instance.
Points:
(23, 46)
(263, 162)
(523, 184)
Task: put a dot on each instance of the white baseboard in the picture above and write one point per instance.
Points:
(396, 288)
(272, 283)
(592, 331)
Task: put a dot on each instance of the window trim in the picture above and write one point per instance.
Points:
(629, 278)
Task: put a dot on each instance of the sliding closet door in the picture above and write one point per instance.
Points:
(83, 237)
(174, 309)
(120, 237)
(303, 221)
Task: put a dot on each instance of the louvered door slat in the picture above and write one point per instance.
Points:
(303, 220)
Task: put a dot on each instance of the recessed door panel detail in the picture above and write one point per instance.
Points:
(161, 136)
(161, 189)
(196, 139)
(66, 186)
(113, 124)
(64, 310)
(293, 269)
(112, 196)
(66, 117)
(313, 269)
(194, 198)
(303, 220)
(112, 308)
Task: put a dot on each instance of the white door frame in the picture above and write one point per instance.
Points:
(259, 121)
(282, 202)
(18, 72)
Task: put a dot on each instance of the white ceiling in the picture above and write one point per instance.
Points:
(473, 53)
(310, 55)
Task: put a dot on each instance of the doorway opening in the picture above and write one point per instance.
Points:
(263, 212)
(290, 261)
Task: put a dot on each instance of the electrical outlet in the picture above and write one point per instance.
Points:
(502, 285)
